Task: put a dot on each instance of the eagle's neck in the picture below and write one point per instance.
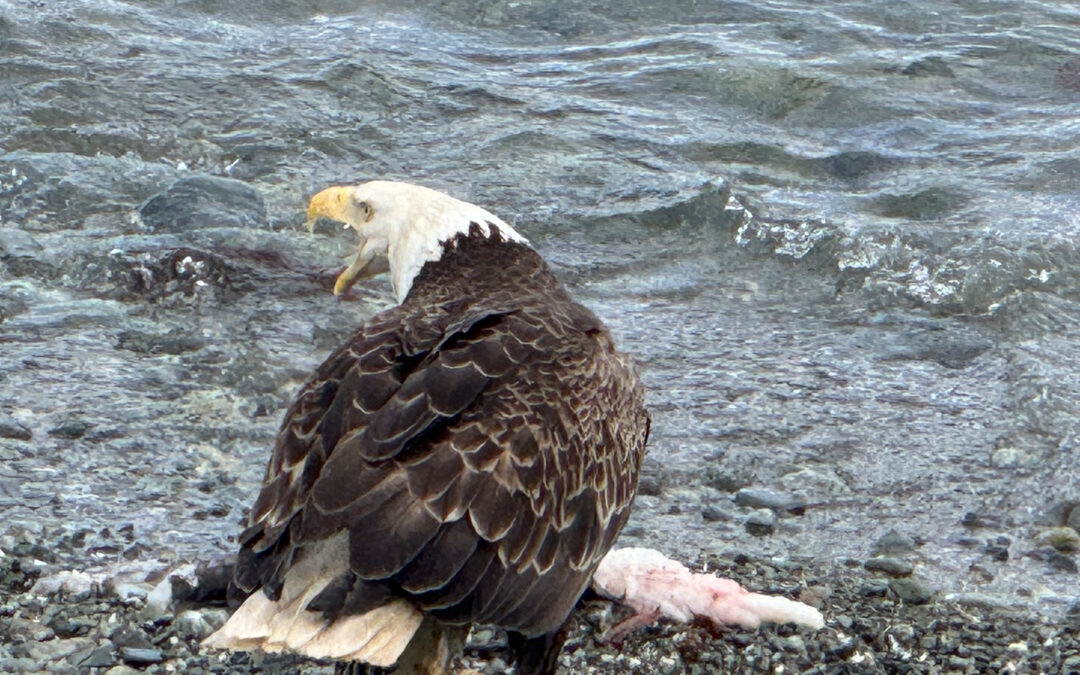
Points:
(431, 222)
(483, 266)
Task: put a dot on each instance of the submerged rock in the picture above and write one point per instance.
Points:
(13, 429)
(930, 66)
(199, 201)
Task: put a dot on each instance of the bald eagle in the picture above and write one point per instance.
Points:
(466, 457)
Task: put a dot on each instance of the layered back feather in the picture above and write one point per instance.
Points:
(473, 453)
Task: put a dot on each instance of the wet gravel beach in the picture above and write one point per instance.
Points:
(840, 239)
(877, 623)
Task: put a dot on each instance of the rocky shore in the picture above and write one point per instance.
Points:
(55, 619)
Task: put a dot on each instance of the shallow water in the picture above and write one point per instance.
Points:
(840, 237)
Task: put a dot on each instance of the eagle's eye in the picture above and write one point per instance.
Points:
(366, 212)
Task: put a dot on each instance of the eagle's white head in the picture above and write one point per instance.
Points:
(402, 226)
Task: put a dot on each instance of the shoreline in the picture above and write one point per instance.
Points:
(120, 628)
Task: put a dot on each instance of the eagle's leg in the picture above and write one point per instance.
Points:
(538, 655)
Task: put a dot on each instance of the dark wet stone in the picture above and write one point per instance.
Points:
(948, 348)
(1058, 514)
(761, 522)
(926, 204)
(16, 243)
(891, 566)
(56, 649)
(842, 651)
(71, 429)
(856, 164)
(892, 543)
(66, 627)
(724, 481)
(136, 551)
(172, 343)
(1068, 75)
(10, 428)
(1073, 520)
(874, 588)
(998, 549)
(713, 514)
(196, 202)
(911, 590)
(930, 66)
(979, 520)
(130, 637)
(1061, 562)
(980, 573)
(136, 655)
(99, 657)
(756, 498)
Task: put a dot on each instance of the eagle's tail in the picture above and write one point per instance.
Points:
(377, 637)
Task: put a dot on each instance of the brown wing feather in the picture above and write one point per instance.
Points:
(482, 462)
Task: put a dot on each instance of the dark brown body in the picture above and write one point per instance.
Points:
(480, 443)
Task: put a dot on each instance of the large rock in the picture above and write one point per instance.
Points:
(199, 201)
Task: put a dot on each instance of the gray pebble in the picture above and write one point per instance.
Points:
(129, 636)
(53, 650)
(72, 429)
(756, 498)
(892, 543)
(712, 513)
(760, 522)
(891, 566)
(719, 479)
(99, 657)
(911, 591)
(793, 643)
(960, 662)
(979, 520)
(1062, 562)
(192, 624)
(128, 592)
(874, 588)
(139, 655)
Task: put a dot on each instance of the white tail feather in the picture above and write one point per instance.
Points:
(377, 637)
(247, 627)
